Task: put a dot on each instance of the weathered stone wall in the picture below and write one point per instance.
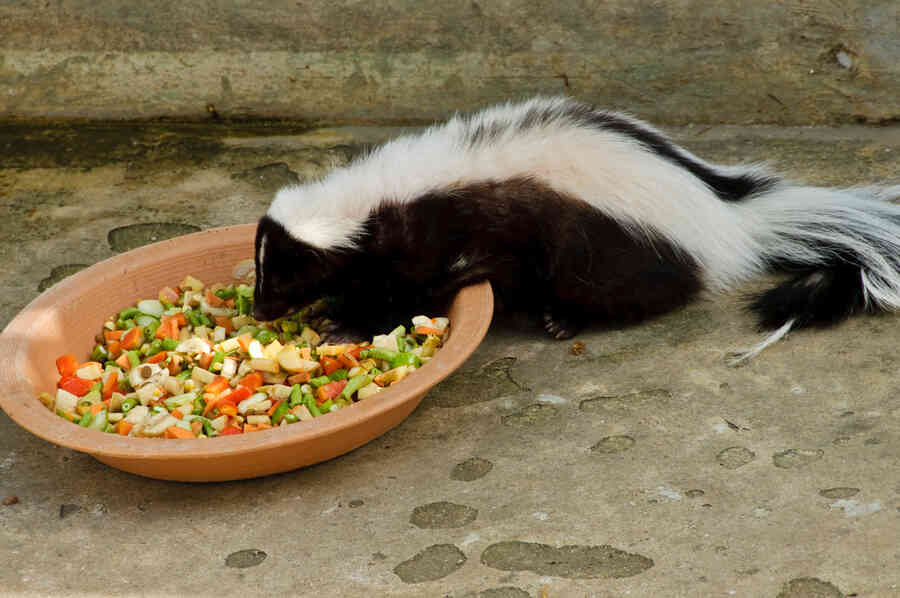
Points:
(671, 61)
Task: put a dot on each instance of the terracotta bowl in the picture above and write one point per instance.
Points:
(67, 316)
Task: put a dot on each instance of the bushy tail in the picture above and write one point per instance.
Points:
(841, 247)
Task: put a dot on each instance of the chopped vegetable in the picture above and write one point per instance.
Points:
(192, 363)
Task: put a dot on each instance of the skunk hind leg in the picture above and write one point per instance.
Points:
(562, 326)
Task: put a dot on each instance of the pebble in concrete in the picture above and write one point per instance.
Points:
(793, 458)
(435, 562)
(613, 444)
(735, 456)
(442, 514)
(58, 273)
(574, 562)
(840, 492)
(471, 469)
(242, 559)
(531, 415)
(809, 587)
(126, 238)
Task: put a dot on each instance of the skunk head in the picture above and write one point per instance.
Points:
(290, 272)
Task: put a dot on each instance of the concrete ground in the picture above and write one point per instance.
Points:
(643, 466)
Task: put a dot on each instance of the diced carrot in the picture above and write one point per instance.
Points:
(178, 432)
(124, 361)
(229, 303)
(133, 338)
(232, 398)
(67, 365)
(330, 390)
(111, 384)
(113, 335)
(237, 395)
(213, 299)
(177, 414)
(244, 342)
(274, 407)
(156, 358)
(205, 360)
(196, 426)
(97, 408)
(355, 351)
(225, 322)
(124, 427)
(218, 384)
(229, 430)
(165, 328)
(179, 318)
(228, 409)
(329, 365)
(256, 428)
(428, 330)
(76, 386)
(174, 365)
(114, 348)
(348, 360)
(299, 378)
(252, 381)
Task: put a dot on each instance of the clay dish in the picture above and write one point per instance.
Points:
(66, 317)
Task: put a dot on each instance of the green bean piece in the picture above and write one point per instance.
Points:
(291, 418)
(128, 313)
(169, 344)
(218, 357)
(226, 293)
(154, 347)
(310, 402)
(99, 353)
(265, 336)
(296, 396)
(378, 353)
(326, 406)
(135, 358)
(280, 412)
(151, 328)
(340, 374)
(85, 419)
(184, 374)
(128, 404)
(354, 384)
(406, 359)
(99, 421)
(289, 326)
(320, 381)
(243, 304)
(199, 406)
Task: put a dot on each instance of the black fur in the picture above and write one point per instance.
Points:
(541, 250)
(813, 297)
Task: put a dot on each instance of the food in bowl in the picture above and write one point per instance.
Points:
(193, 363)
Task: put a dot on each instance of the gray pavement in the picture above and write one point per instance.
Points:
(642, 467)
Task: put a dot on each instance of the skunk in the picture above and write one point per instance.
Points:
(575, 214)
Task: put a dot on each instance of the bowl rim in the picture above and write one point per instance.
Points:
(19, 404)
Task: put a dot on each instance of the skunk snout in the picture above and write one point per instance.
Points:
(265, 311)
